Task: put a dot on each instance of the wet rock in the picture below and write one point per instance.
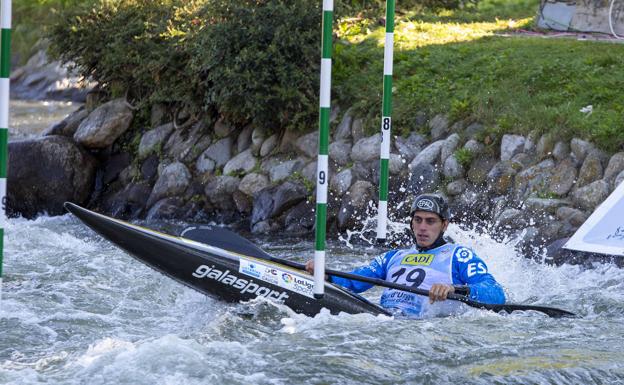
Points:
(220, 152)
(252, 183)
(474, 146)
(354, 205)
(104, 125)
(173, 181)
(69, 125)
(580, 149)
(187, 145)
(561, 151)
(149, 168)
(439, 126)
(511, 219)
(343, 131)
(308, 145)
(590, 196)
(544, 205)
(456, 187)
(428, 155)
(279, 169)
(220, 191)
(242, 202)
(152, 142)
(511, 145)
(410, 146)
(424, 178)
(309, 172)
(479, 170)
(521, 160)
(286, 196)
(571, 216)
(357, 129)
(535, 179)
(167, 208)
(453, 169)
(341, 182)
(615, 166)
(366, 149)
(262, 207)
(618, 180)
(544, 147)
(243, 162)
(268, 145)
(46, 172)
(448, 147)
(396, 164)
(258, 135)
(300, 219)
(501, 177)
(244, 139)
(474, 130)
(205, 165)
(114, 166)
(340, 152)
(591, 170)
(563, 178)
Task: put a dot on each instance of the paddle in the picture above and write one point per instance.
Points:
(228, 240)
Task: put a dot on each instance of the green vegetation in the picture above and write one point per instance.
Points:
(464, 156)
(256, 61)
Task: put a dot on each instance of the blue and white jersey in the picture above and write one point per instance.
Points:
(449, 264)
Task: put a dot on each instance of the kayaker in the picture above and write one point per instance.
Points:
(432, 264)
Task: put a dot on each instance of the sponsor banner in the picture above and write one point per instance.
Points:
(418, 259)
(273, 275)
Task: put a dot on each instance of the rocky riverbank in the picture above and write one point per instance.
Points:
(536, 190)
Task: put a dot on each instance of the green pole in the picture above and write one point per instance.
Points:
(5, 69)
(386, 124)
(322, 173)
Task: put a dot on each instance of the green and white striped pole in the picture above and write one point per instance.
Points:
(386, 124)
(322, 173)
(5, 69)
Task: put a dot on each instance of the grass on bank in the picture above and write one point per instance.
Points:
(461, 64)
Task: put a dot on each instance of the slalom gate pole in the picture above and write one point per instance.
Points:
(5, 69)
(322, 173)
(386, 124)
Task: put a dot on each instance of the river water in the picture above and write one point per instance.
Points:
(77, 310)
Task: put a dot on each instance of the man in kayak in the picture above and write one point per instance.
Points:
(431, 264)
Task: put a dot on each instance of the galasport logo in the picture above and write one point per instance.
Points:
(244, 286)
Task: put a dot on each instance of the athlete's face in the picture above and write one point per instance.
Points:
(427, 227)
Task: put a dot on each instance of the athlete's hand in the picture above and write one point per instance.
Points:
(439, 292)
(309, 266)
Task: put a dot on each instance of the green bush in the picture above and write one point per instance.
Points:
(259, 61)
(251, 61)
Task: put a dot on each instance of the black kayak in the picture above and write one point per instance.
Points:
(204, 260)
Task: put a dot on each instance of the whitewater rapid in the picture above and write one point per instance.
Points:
(77, 310)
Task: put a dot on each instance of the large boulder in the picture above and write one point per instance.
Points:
(187, 145)
(429, 154)
(511, 145)
(69, 125)
(104, 125)
(591, 170)
(243, 162)
(563, 178)
(366, 149)
(45, 172)
(173, 181)
(590, 196)
(153, 140)
(354, 205)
